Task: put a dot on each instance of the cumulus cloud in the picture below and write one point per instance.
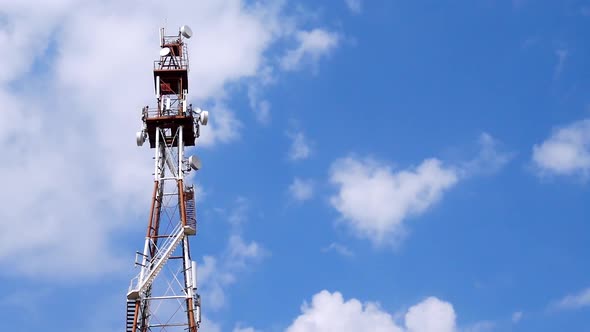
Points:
(301, 190)
(238, 328)
(331, 312)
(209, 325)
(431, 314)
(312, 46)
(355, 6)
(374, 200)
(300, 146)
(575, 301)
(490, 159)
(259, 105)
(339, 248)
(80, 107)
(241, 252)
(224, 129)
(217, 273)
(483, 326)
(566, 151)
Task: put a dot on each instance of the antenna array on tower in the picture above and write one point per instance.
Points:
(163, 296)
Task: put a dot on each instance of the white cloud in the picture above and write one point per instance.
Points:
(301, 190)
(244, 329)
(431, 315)
(562, 55)
(224, 127)
(374, 200)
(313, 45)
(262, 111)
(490, 158)
(338, 248)
(261, 107)
(330, 312)
(575, 301)
(237, 215)
(483, 326)
(517, 316)
(209, 326)
(566, 151)
(241, 252)
(217, 273)
(355, 6)
(213, 280)
(69, 130)
(300, 146)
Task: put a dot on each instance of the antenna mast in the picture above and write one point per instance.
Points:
(163, 296)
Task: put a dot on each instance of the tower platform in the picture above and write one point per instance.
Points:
(171, 122)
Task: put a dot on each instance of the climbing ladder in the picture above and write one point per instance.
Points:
(131, 305)
(156, 264)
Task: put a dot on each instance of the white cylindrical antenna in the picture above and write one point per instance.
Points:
(161, 37)
(167, 104)
(204, 118)
(184, 107)
(198, 313)
(158, 86)
(194, 271)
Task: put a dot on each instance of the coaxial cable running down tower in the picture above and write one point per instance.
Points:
(163, 296)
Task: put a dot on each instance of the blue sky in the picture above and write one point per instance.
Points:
(416, 166)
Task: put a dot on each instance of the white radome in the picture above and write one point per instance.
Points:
(139, 138)
(164, 51)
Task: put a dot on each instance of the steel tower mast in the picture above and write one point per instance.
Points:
(163, 296)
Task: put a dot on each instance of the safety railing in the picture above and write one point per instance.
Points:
(173, 62)
(154, 112)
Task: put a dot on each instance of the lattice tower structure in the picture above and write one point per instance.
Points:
(164, 294)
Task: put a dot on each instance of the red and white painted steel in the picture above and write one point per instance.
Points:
(163, 296)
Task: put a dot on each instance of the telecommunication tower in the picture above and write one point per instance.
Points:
(163, 296)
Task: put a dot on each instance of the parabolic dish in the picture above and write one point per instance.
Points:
(164, 51)
(194, 162)
(186, 31)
